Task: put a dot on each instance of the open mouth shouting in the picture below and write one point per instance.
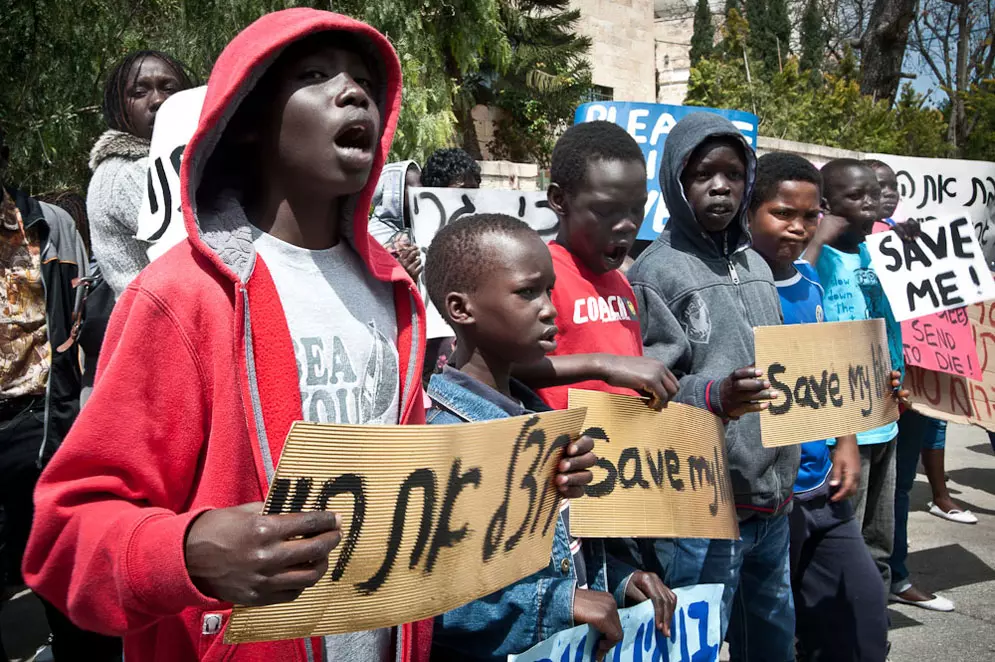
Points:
(355, 143)
(614, 255)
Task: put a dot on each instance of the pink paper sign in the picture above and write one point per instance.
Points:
(944, 342)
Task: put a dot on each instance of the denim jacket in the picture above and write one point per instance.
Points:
(517, 617)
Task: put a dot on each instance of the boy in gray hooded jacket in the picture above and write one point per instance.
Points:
(701, 291)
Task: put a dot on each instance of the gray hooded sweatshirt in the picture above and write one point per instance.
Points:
(698, 304)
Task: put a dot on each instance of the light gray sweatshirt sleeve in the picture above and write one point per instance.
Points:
(664, 339)
(113, 202)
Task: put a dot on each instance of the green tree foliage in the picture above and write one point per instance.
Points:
(543, 82)
(779, 32)
(832, 112)
(813, 40)
(703, 36)
(54, 56)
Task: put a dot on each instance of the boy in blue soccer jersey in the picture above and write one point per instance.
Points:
(839, 607)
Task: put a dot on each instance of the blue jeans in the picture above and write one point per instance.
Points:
(915, 432)
(758, 610)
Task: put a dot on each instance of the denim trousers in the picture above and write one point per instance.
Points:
(915, 432)
(874, 505)
(840, 611)
(758, 611)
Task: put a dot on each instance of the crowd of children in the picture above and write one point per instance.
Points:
(289, 303)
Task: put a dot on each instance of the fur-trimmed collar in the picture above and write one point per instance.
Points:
(118, 143)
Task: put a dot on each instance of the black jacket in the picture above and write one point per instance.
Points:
(63, 259)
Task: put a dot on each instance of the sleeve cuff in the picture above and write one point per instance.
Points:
(713, 399)
(156, 565)
(557, 610)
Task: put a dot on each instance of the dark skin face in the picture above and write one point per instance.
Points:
(150, 82)
(321, 132)
(889, 190)
(598, 223)
(854, 194)
(782, 226)
(714, 181)
(510, 317)
(411, 178)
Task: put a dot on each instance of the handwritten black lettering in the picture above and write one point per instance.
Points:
(631, 455)
(345, 484)
(420, 478)
(444, 535)
(674, 469)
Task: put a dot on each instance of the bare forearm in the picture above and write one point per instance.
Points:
(561, 370)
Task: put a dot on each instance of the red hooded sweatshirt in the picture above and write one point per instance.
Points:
(196, 391)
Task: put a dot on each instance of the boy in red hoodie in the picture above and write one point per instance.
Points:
(279, 307)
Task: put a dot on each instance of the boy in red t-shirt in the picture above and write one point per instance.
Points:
(598, 191)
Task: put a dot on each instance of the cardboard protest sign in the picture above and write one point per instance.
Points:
(834, 380)
(659, 474)
(955, 398)
(945, 188)
(433, 517)
(943, 341)
(432, 208)
(649, 124)
(695, 634)
(942, 269)
(160, 221)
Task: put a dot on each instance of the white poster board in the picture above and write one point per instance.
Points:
(943, 269)
(431, 208)
(160, 221)
(942, 188)
(694, 633)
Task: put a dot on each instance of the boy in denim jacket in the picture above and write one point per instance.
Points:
(491, 277)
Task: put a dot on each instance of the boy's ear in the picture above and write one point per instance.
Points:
(459, 308)
(557, 199)
(825, 204)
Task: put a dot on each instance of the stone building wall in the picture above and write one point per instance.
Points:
(622, 55)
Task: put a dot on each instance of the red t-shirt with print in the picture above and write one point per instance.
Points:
(596, 313)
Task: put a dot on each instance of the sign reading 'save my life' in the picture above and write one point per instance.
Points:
(941, 270)
(649, 124)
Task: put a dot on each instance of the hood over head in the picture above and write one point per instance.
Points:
(388, 198)
(683, 139)
(222, 233)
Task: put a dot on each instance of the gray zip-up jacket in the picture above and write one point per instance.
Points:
(698, 304)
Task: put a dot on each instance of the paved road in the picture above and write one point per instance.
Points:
(954, 559)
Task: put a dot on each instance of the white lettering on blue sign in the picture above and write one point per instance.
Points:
(694, 634)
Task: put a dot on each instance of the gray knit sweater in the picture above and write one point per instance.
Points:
(119, 162)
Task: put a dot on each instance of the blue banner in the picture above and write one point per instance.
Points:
(649, 124)
(694, 634)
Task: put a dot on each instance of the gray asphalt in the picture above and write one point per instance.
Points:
(955, 560)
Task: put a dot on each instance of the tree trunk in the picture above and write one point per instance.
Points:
(883, 47)
(958, 116)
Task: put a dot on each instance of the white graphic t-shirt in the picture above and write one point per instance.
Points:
(344, 330)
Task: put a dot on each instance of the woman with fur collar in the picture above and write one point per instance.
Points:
(133, 93)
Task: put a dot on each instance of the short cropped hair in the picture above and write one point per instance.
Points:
(447, 167)
(877, 163)
(777, 167)
(456, 261)
(833, 170)
(586, 142)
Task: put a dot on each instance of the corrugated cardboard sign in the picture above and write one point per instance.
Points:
(659, 474)
(958, 399)
(433, 517)
(834, 379)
